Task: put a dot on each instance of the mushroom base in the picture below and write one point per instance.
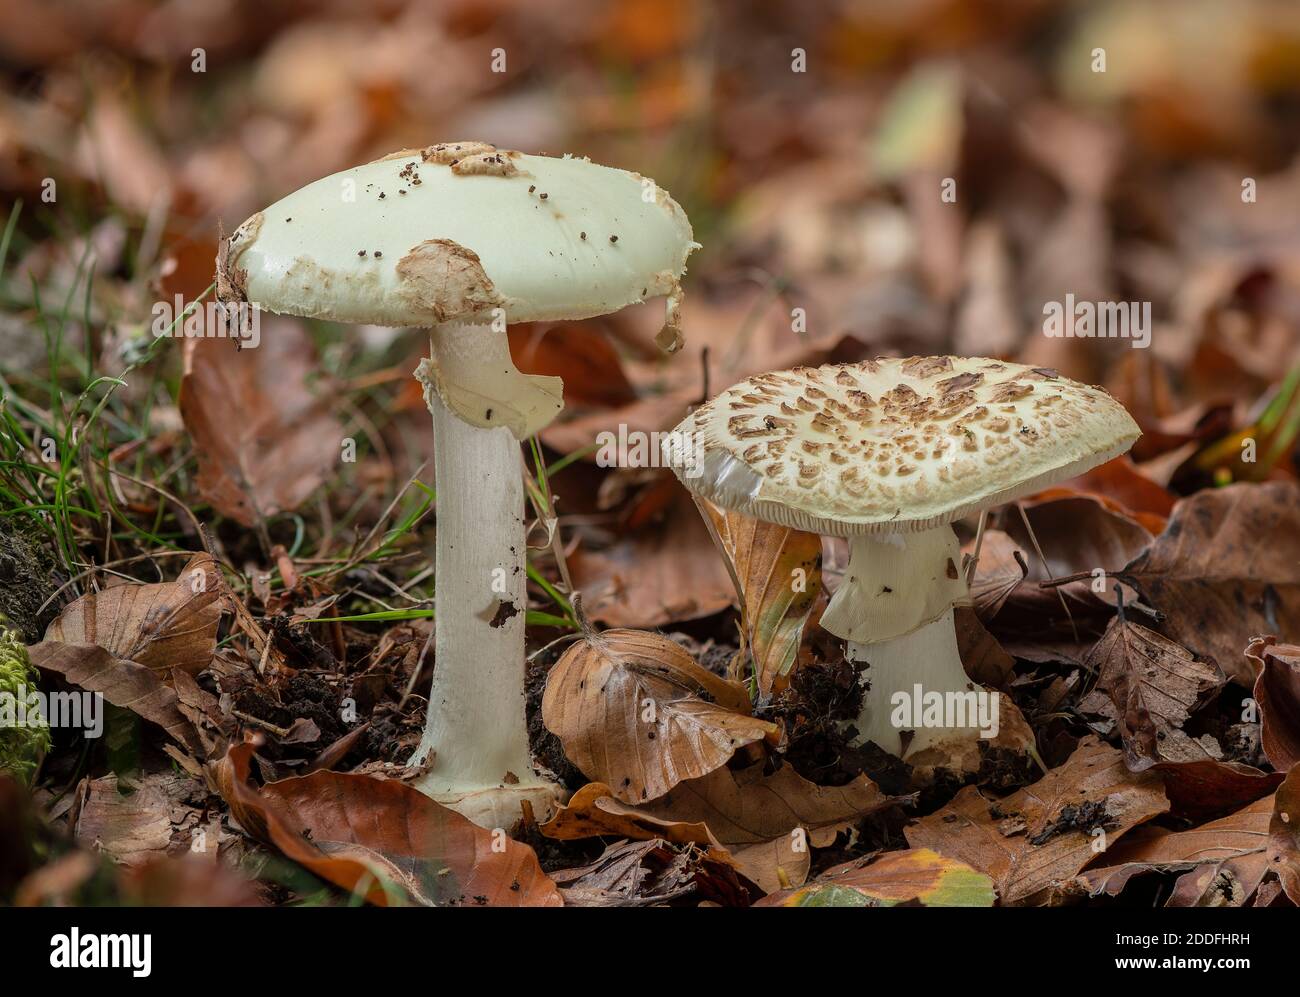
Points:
(495, 806)
(917, 684)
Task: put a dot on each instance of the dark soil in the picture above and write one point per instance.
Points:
(28, 578)
(546, 747)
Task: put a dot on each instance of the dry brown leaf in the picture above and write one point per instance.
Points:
(777, 572)
(779, 864)
(747, 807)
(263, 438)
(187, 882)
(580, 353)
(1277, 691)
(1233, 846)
(1078, 534)
(1001, 567)
(133, 822)
(1151, 686)
(594, 812)
(655, 872)
(984, 659)
(362, 833)
(1120, 481)
(1226, 568)
(163, 626)
(655, 576)
(1093, 789)
(1284, 835)
(123, 683)
(626, 705)
(1209, 788)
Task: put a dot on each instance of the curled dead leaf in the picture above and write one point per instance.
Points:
(369, 835)
(777, 574)
(627, 706)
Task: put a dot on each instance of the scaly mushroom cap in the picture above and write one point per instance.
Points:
(893, 445)
(453, 231)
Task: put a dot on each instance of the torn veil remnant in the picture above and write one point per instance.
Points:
(477, 237)
(888, 453)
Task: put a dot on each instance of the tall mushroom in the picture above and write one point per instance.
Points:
(464, 238)
(888, 453)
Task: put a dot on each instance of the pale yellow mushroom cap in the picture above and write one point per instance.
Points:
(893, 445)
(453, 232)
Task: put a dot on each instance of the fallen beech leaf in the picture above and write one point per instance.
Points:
(283, 443)
(593, 811)
(1284, 835)
(777, 572)
(747, 807)
(656, 576)
(1001, 567)
(656, 872)
(1122, 482)
(1234, 846)
(123, 683)
(1277, 691)
(188, 882)
(774, 865)
(1151, 686)
(916, 876)
(578, 352)
(638, 419)
(1034, 842)
(1209, 788)
(981, 655)
(132, 823)
(1226, 568)
(359, 832)
(163, 626)
(626, 705)
(1077, 534)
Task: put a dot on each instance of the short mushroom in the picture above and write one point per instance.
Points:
(888, 453)
(469, 248)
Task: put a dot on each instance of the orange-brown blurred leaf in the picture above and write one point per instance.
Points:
(264, 439)
(363, 833)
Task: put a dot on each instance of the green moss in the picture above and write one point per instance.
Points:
(22, 746)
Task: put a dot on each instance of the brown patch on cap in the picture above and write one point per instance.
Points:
(448, 153)
(961, 382)
(926, 366)
(446, 280)
(486, 164)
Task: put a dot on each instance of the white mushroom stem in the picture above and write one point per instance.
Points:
(475, 740)
(895, 610)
